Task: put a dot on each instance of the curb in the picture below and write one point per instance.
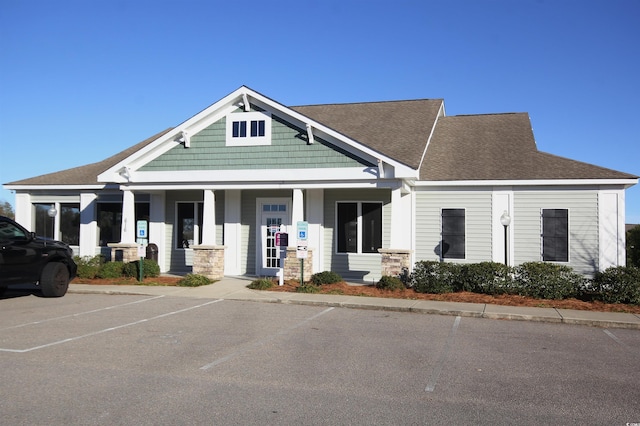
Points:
(480, 310)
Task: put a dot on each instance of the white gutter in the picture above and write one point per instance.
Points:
(531, 182)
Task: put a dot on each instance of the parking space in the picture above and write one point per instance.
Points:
(123, 359)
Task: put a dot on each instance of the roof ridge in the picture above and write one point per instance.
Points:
(487, 113)
(368, 102)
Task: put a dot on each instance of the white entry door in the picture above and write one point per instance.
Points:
(273, 213)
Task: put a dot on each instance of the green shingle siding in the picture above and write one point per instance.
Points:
(288, 149)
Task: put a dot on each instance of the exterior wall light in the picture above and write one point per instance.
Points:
(505, 220)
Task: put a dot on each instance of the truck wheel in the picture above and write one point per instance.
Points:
(54, 280)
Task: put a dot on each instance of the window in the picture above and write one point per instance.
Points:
(359, 227)
(69, 218)
(257, 128)
(452, 245)
(248, 129)
(70, 223)
(555, 235)
(189, 224)
(239, 129)
(43, 222)
(109, 217)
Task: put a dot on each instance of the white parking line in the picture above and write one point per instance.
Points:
(80, 313)
(616, 339)
(71, 339)
(437, 369)
(252, 345)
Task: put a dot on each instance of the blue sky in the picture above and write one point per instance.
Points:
(82, 80)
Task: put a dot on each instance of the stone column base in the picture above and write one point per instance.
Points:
(395, 262)
(124, 252)
(209, 261)
(292, 265)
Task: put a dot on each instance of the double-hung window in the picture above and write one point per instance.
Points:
(555, 235)
(359, 227)
(248, 129)
(452, 245)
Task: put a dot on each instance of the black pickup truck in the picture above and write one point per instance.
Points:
(27, 258)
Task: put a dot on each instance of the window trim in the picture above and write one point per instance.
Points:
(442, 255)
(568, 236)
(248, 118)
(359, 227)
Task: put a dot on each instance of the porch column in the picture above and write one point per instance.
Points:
(232, 232)
(208, 259)
(396, 259)
(127, 249)
(315, 217)
(88, 224)
(209, 219)
(157, 227)
(128, 229)
(297, 214)
(400, 220)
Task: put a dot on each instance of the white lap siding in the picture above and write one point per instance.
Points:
(583, 225)
(428, 231)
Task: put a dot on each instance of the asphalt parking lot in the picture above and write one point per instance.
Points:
(133, 359)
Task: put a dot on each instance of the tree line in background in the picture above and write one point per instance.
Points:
(6, 209)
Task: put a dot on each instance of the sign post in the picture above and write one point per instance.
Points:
(142, 238)
(303, 235)
(282, 241)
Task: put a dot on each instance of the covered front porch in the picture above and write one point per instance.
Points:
(218, 232)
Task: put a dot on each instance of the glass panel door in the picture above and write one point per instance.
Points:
(274, 214)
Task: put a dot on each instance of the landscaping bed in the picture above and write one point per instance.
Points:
(342, 288)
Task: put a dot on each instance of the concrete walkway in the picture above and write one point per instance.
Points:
(235, 288)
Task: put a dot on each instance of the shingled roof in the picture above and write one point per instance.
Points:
(397, 129)
(468, 147)
(88, 174)
(498, 147)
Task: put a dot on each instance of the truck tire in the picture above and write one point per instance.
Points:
(54, 280)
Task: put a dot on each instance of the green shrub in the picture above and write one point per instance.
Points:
(130, 270)
(150, 269)
(193, 280)
(308, 288)
(543, 280)
(110, 270)
(261, 284)
(326, 277)
(486, 278)
(88, 266)
(390, 283)
(436, 277)
(617, 285)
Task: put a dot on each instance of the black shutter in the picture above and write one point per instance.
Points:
(453, 234)
(555, 235)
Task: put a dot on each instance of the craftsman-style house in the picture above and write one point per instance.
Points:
(377, 187)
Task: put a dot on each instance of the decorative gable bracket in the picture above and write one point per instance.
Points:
(184, 138)
(310, 134)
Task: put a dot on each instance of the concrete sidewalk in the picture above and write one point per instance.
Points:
(235, 288)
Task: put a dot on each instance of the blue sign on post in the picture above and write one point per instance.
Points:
(303, 230)
(141, 226)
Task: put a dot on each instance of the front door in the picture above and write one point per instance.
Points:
(274, 213)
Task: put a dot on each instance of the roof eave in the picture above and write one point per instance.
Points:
(528, 182)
